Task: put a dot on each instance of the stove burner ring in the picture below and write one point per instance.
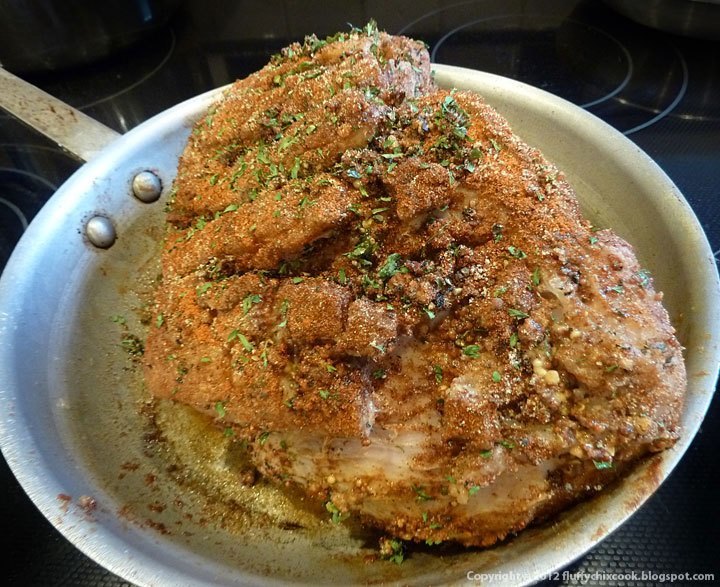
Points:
(404, 30)
(611, 94)
(166, 57)
(628, 74)
(16, 190)
(27, 174)
(670, 107)
(621, 95)
(15, 210)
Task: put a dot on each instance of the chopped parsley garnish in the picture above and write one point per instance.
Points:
(393, 550)
(295, 169)
(362, 251)
(519, 314)
(600, 465)
(283, 312)
(236, 334)
(133, 345)
(337, 515)
(497, 232)
(536, 277)
(203, 289)
(644, 277)
(472, 350)
(377, 346)
(248, 301)
(391, 266)
(421, 494)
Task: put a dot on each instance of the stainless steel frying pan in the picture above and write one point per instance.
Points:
(131, 491)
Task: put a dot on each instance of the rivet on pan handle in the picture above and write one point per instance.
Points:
(81, 136)
(147, 186)
(100, 231)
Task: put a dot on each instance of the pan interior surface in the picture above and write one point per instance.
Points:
(154, 494)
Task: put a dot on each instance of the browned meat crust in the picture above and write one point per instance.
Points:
(398, 305)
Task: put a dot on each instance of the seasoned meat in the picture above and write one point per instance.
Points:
(295, 118)
(397, 305)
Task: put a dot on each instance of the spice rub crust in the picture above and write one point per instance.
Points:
(398, 305)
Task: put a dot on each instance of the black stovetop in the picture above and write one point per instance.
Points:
(662, 91)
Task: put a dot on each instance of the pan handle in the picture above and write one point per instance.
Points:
(77, 133)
